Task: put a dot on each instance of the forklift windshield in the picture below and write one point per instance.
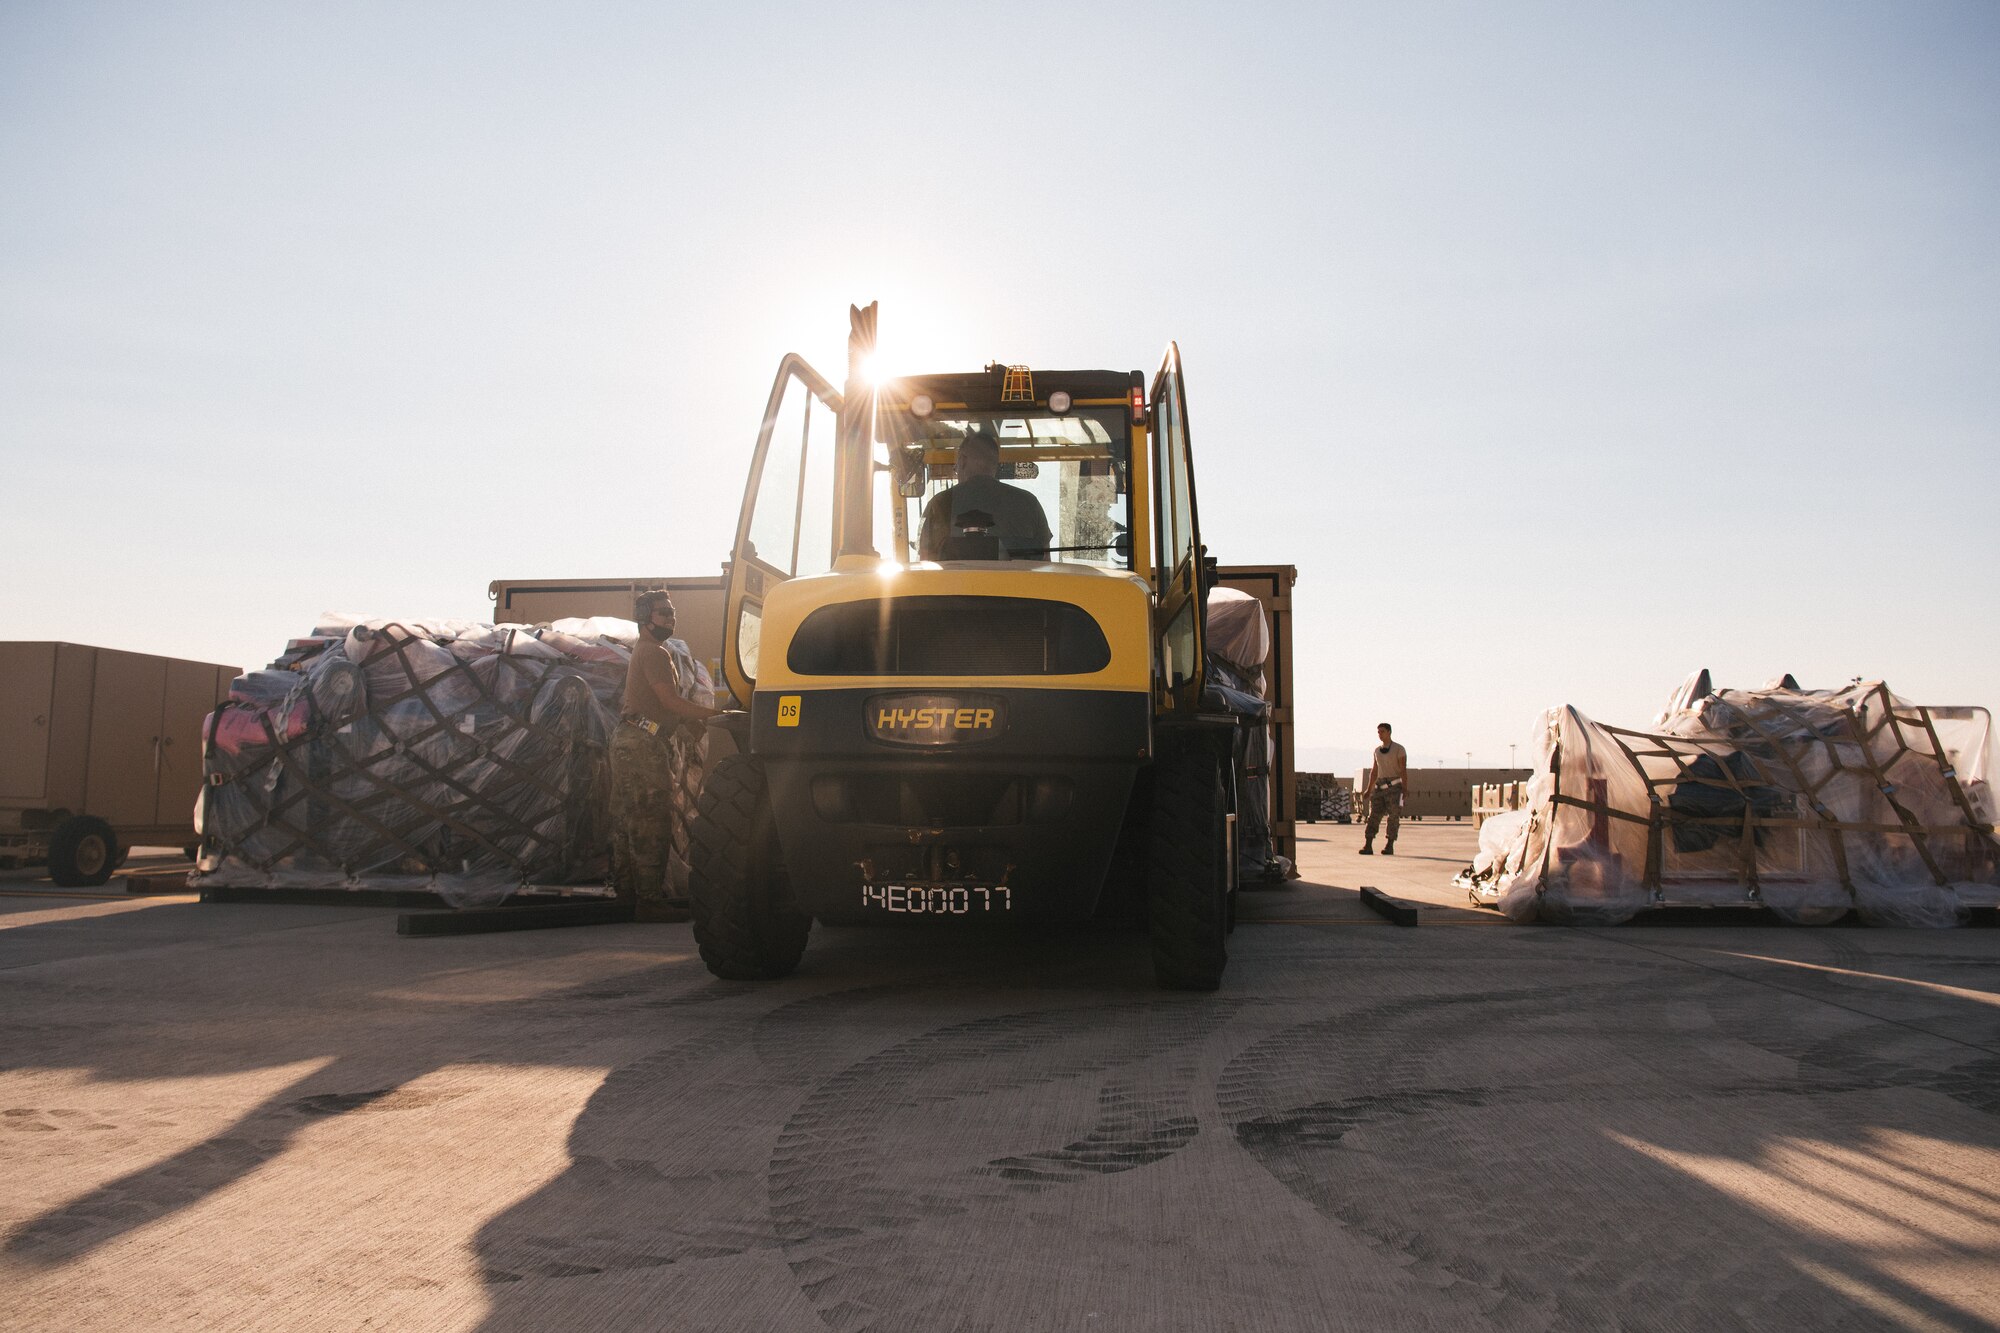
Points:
(1074, 464)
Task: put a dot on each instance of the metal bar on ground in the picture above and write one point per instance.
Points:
(485, 920)
(323, 897)
(1402, 913)
(142, 882)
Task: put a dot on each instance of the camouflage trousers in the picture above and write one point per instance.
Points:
(650, 802)
(1384, 800)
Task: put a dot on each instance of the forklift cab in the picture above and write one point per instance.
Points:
(1109, 468)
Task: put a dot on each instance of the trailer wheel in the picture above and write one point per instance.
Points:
(744, 920)
(1188, 870)
(83, 851)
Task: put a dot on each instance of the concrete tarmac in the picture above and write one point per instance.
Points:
(252, 1116)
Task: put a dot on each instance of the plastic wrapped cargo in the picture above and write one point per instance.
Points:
(1323, 796)
(1238, 639)
(1236, 630)
(1811, 803)
(453, 756)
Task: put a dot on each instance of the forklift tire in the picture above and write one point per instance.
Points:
(83, 851)
(744, 922)
(1188, 870)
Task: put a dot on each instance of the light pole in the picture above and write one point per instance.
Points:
(1510, 756)
(1468, 759)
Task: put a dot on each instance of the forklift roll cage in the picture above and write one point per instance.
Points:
(1164, 534)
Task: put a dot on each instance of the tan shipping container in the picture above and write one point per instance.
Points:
(95, 734)
(698, 604)
(1441, 793)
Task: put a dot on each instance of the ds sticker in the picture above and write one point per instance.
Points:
(788, 710)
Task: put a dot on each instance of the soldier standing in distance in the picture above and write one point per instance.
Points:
(643, 768)
(1387, 777)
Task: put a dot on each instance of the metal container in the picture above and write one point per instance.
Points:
(100, 750)
(698, 604)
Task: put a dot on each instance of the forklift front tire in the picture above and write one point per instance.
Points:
(1188, 870)
(744, 922)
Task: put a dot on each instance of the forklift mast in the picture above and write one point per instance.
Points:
(855, 449)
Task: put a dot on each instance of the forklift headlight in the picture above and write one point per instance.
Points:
(920, 406)
(1059, 401)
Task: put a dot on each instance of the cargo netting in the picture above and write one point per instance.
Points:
(465, 759)
(1811, 803)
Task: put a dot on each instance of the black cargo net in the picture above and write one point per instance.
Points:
(469, 760)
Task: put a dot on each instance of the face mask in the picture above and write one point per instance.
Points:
(658, 632)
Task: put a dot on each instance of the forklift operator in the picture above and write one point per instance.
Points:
(963, 521)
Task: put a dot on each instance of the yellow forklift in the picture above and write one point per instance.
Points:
(951, 706)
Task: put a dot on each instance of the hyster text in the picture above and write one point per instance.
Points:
(934, 719)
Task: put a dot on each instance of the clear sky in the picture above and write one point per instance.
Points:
(1564, 348)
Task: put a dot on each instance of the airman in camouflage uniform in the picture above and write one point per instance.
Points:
(1388, 775)
(652, 754)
